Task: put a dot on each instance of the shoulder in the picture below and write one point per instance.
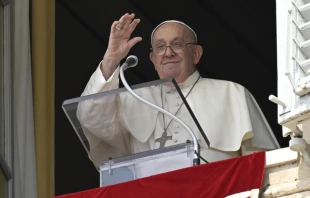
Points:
(220, 84)
(220, 89)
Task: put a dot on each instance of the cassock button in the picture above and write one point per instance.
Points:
(176, 132)
(176, 126)
(175, 141)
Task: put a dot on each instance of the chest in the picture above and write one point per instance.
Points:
(167, 131)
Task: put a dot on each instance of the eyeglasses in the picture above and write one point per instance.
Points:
(176, 47)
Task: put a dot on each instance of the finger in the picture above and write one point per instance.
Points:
(114, 26)
(133, 25)
(129, 19)
(122, 21)
(134, 41)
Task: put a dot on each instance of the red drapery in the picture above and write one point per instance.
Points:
(216, 179)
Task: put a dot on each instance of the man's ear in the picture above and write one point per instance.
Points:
(151, 57)
(197, 54)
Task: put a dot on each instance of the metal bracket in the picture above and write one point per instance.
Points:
(188, 147)
(5, 168)
(109, 165)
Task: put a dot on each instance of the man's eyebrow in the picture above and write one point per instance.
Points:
(158, 41)
(178, 39)
(162, 40)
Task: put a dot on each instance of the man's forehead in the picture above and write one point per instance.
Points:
(178, 25)
(171, 32)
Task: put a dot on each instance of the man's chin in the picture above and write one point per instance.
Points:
(171, 74)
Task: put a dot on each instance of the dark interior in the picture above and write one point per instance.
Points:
(238, 38)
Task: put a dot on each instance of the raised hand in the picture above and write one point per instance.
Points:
(119, 43)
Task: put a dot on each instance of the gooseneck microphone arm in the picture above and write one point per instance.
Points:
(132, 61)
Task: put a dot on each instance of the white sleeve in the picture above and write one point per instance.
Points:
(97, 83)
(100, 119)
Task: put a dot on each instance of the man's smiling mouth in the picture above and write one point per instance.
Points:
(171, 62)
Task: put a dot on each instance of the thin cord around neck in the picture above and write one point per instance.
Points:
(166, 128)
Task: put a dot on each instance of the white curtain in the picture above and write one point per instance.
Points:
(24, 170)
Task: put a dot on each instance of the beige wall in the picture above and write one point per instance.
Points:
(43, 36)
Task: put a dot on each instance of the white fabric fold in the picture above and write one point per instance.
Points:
(227, 112)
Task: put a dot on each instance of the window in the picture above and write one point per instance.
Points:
(1, 84)
(3, 185)
(3, 181)
(5, 101)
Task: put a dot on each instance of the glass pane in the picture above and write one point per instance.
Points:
(107, 123)
(2, 142)
(3, 185)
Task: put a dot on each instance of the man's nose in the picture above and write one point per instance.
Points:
(169, 51)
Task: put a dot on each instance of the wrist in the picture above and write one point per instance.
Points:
(108, 66)
(110, 61)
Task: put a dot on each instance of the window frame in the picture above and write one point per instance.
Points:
(6, 162)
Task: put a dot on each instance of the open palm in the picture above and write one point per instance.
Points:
(120, 42)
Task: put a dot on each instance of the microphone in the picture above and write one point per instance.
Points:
(131, 61)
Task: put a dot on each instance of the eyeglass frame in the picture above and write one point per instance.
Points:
(171, 48)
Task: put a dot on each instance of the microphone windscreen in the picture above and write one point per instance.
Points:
(132, 61)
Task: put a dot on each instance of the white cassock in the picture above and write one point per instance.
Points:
(226, 111)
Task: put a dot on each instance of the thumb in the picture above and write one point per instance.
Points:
(134, 41)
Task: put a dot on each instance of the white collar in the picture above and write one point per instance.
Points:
(190, 80)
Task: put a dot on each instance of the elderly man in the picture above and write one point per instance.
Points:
(226, 111)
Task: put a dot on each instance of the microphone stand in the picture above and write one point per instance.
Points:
(132, 61)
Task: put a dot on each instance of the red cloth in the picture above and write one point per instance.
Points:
(216, 179)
